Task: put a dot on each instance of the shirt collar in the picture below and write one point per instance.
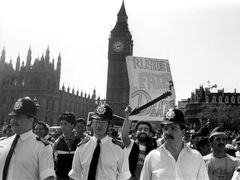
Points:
(102, 140)
(26, 135)
(185, 147)
(72, 137)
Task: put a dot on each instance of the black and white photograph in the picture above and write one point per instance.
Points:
(120, 90)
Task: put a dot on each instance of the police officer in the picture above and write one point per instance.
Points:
(100, 157)
(174, 159)
(24, 156)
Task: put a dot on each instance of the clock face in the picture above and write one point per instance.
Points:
(118, 46)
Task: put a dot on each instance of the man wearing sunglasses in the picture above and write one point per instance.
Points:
(174, 159)
(219, 164)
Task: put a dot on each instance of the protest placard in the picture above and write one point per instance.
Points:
(150, 78)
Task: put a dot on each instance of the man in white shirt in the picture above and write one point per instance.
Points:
(24, 156)
(111, 163)
(174, 160)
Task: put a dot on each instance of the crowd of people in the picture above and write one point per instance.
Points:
(136, 152)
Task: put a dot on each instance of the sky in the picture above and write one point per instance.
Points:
(200, 38)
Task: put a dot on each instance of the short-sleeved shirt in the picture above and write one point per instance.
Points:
(112, 163)
(221, 168)
(160, 164)
(32, 159)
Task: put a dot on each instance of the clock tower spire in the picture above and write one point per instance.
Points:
(120, 46)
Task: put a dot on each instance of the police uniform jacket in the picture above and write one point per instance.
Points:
(32, 158)
(112, 163)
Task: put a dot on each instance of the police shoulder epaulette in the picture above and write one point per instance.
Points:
(83, 141)
(44, 141)
(2, 138)
(117, 142)
(238, 169)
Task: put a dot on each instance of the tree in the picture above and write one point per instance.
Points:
(220, 114)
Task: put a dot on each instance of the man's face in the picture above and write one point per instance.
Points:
(80, 128)
(40, 131)
(100, 127)
(173, 132)
(142, 132)
(20, 122)
(206, 149)
(219, 142)
(66, 126)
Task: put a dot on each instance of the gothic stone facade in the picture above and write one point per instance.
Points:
(40, 80)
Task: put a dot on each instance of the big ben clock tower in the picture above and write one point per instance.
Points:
(120, 46)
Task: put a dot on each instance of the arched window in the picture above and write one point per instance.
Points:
(220, 99)
(238, 99)
(226, 99)
(232, 99)
(214, 99)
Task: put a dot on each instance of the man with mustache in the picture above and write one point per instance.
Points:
(138, 149)
(219, 164)
(174, 159)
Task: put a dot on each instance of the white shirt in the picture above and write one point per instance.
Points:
(160, 164)
(112, 164)
(236, 175)
(237, 154)
(129, 148)
(31, 160)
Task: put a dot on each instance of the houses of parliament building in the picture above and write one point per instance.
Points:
(39, 79)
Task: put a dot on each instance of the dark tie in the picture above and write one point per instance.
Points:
(9, 156)
(94, 162)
